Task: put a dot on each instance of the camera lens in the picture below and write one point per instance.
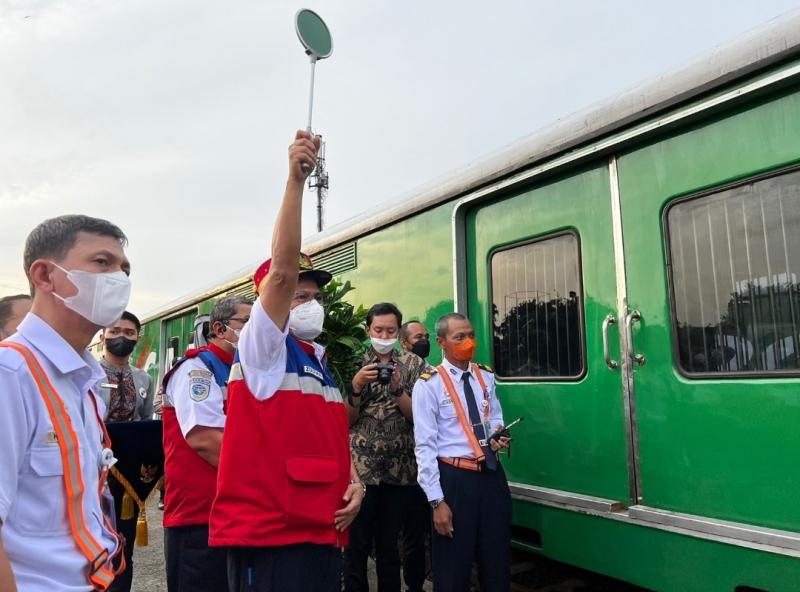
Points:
(385, 373)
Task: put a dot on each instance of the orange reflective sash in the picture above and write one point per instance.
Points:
(466, 424)
(99, 574)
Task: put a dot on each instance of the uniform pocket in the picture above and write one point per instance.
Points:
(40, 508)
(448, 411)
(46, 462)
(313, 495)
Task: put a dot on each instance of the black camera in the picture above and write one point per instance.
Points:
(385, 372)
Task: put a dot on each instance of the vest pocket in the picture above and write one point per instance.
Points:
(313, 496)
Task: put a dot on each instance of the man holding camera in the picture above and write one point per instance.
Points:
(382, 443)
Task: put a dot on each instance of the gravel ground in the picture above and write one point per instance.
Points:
(148, 562)
(530, 573)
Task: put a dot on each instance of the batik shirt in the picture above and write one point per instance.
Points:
(382, 439)
(122, 400)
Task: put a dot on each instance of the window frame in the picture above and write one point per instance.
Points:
(581, 322)
(715, 190)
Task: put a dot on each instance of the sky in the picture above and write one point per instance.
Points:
(172, 119)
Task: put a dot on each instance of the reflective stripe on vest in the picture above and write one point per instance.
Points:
(466, 425)
(99, 575)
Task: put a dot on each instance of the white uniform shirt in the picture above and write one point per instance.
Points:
(437, 431)
(35, 530)
(197, 398)
(262, 353)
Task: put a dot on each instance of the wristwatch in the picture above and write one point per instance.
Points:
(398, 392)
(435, 503)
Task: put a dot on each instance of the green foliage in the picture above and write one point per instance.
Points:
(343, 334)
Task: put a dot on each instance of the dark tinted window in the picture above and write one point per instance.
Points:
(735, 257)
(536, 304)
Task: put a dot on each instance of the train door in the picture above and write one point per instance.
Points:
(711, 223)
(176, 334)
(540, 284)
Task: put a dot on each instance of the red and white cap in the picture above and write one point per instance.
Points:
(306, 269)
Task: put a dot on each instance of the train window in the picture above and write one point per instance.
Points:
(734, 257)
(536, 310)
(173, 351)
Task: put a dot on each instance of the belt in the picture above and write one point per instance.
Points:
(459, 462)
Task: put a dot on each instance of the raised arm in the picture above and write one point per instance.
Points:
(277, 291)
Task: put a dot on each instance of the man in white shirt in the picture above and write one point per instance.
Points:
(195, 395)
(78, 273)
(456, 412)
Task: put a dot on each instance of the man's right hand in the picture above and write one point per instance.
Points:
(302, 151)
(443, 520)
(363, 377)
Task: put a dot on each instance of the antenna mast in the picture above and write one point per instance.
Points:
(318, 179)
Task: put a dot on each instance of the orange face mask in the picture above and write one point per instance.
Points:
(464, 351)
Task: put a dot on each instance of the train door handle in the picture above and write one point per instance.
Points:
(634, 315)
(607, 322)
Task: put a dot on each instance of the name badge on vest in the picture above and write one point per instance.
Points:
(313, 372)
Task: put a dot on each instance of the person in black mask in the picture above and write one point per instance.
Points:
(128, 394)
(414, 337)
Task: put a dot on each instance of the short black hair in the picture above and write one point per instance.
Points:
(384, 308)
(129, 316)
(6, 303)
(56, 236)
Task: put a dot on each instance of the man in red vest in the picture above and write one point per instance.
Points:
(193, 410)
(286, 490)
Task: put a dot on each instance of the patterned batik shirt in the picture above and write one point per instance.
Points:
(382, 439)
(122, 400)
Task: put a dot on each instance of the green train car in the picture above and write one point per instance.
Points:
(632, 275)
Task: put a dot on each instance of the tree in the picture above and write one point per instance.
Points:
(343, 334)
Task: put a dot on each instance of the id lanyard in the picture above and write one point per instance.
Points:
(466, 425)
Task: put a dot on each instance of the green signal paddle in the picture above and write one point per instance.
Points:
(316, 39)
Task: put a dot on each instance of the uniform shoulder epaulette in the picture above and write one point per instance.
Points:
(485, 367)
(427, 375)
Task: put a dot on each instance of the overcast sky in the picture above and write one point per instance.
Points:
(172, 118)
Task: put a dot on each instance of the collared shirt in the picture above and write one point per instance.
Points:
(382, 439)
(437, 431)
(197, 398)
(35, 531)
(262, 353)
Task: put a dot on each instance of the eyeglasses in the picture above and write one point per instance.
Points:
(303, 297)
(242, 320)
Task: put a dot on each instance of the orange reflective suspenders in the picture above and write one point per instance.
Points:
(99, 574)
(466, 425)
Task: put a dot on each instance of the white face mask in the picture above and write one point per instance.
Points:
(237, 332)
(101, 297)
(383, 346)
(305, 321)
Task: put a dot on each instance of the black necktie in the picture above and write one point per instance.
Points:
(477, 423)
